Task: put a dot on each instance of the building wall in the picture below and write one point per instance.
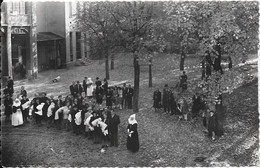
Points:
(15, 18)
(51, 17)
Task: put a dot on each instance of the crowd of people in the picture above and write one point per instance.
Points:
(172, 102)
(90, 109)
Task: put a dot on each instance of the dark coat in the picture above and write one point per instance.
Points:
(219, 119)
(78, 89)
(166, 97)
(133, 141)
(8, 103)
(84, 84)
(73, 90)
(124, 91)
(196, 104)
(109, 98)
(212, 124)
(157, 98)
(23, 93)
(105, 87)
(98, 83)
(114, 122)
(45, 110)
(129, 92)
(44, 99)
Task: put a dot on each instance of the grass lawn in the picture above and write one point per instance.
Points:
(164, 141)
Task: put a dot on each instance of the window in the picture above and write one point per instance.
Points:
(27, 7)
(18, 8)
(3, 7)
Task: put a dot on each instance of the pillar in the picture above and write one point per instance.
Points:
(82, 42)
(33, 44)
(9, 50)
(4, 57)
(67, 31)
(74, 52)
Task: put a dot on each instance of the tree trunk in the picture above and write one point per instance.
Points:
(217, 62)
(112, 62)
(150, 73)
(107, 64)
(136, 83)
(183, 55)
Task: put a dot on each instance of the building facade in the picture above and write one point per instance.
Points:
(39, 36)
(57, 18)
(18, 38)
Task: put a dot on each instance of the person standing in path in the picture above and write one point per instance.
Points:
(124, 101)
(73, 89)
(89, 88)
(113, 128)
(105, 86)
(17, 116)
(84, 84)
(165, 100)
(98, 83)
(23, 91)
(219, 116)
(183, 81)
(157, 98)
(129, 96)
(8, 103)
(132, 138)
(172, 102)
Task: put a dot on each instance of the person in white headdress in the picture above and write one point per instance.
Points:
(17, 116)
(89, 87)
(132, 138)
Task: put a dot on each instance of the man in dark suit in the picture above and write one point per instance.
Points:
(78, 88)
(98, 82)
(113, 128)
(124, 95)
(165, 100)
(129, 96)
(85, 85)
(196, 103)
(73, 89)
(172, 101)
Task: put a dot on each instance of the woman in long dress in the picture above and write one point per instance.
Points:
(17, 116)
(132, 138)
(89, 88)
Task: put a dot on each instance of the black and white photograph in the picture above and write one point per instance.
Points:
(89, 83)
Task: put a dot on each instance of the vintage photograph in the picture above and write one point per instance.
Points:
(129, 83)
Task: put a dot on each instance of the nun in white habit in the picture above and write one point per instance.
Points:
(17, 116)
(89, 87)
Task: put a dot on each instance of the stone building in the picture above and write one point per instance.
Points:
(18, 38)
(40, 36)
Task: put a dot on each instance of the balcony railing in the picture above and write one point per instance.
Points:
(16, 19)
(19, 19)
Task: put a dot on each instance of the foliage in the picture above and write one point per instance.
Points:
(234, 24)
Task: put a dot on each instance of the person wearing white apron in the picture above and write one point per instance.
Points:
(17, 116)
(89, 88)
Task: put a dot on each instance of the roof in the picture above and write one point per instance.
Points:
(48, 36)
